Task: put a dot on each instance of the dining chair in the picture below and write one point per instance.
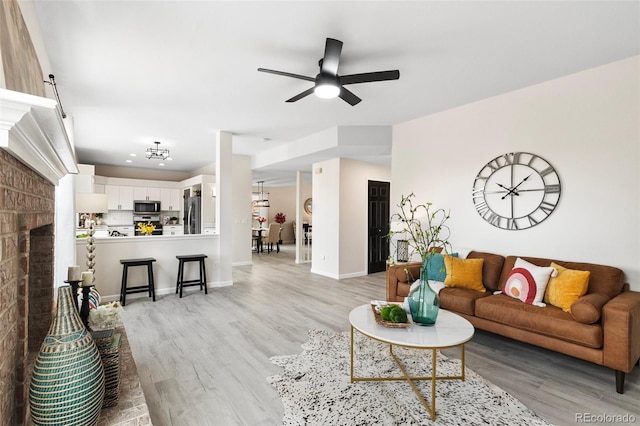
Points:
(273, 236)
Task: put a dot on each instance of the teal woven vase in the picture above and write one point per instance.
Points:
(67, 387)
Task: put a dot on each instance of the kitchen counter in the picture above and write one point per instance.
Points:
(164, 248)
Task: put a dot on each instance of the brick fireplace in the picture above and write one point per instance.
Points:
(26, 276)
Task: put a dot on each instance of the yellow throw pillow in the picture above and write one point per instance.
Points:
(567, 287)
(465, 273)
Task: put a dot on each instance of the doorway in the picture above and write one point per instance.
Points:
(378, 212)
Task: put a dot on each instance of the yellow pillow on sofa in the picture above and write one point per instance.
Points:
(567, 287)
(465, 273)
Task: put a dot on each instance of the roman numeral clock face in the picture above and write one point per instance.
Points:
(516, 190)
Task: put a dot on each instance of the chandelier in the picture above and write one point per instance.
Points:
(157, 153)
(262, 202)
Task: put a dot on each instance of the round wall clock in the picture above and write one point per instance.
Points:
(516, 190)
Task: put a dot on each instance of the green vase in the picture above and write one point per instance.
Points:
(424, 303)
(67, 386)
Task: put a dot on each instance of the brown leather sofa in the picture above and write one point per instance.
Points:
(603, 326)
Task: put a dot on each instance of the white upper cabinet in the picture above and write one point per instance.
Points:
(119, 197)
(148, 194)
(170, 199)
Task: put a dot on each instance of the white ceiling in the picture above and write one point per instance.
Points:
(134, 72)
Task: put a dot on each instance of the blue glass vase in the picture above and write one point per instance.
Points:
(424, 303)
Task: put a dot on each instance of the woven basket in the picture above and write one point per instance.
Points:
(110, 353)
(67, 387)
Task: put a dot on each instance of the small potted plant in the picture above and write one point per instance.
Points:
(280, 218)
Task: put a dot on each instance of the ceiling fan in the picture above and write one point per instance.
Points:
(328, 84)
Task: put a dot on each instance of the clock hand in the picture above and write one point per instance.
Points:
(521, 182)
(510, 191)
(504, 187)
(513, 191)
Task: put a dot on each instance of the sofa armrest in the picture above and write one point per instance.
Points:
(396, 274)
(621, 327)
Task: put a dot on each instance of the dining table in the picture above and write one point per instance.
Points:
(258, 234)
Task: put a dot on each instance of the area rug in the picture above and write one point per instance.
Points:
(315, 388)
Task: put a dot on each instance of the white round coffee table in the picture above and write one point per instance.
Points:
(450, 330)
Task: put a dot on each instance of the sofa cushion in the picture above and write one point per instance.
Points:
(528, 282)
(603, 279)
(564, 289)
(588, 308)
(491, 268)
(460, 300)
(466, 273)
(436, 270)
(549, 321)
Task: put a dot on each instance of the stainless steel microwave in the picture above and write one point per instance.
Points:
(146, 206)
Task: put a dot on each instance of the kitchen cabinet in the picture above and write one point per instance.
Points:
(119, 197)
(144, 193)
(170, 199)
(172, 230)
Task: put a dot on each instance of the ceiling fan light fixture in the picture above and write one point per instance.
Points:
(326, 91)
(328, 83)
(326, 87)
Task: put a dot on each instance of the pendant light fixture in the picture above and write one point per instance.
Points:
(262, 202)
(157, 153)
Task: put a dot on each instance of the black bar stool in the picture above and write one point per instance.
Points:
(150, 286)
(202, 281)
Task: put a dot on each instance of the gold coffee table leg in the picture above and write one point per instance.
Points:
(431, 408)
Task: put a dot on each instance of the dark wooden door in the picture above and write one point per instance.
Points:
(378, 225)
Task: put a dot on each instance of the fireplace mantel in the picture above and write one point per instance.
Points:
(32, 130)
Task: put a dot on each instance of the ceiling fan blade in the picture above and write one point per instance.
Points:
(331, 59)
(301, 95)
(368, 77)
(287, 74)
(349, 97)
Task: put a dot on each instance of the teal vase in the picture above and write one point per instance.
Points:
(67, 386)
(424, 303)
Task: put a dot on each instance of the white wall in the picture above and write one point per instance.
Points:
(340, 195)
(354, 219)
(326, 219)
(241, 210)
(587, 125)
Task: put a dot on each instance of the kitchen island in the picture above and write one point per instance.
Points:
(164, 248)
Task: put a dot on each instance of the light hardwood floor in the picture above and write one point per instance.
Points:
(203, 360)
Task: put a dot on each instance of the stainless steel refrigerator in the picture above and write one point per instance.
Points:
(193, 216)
